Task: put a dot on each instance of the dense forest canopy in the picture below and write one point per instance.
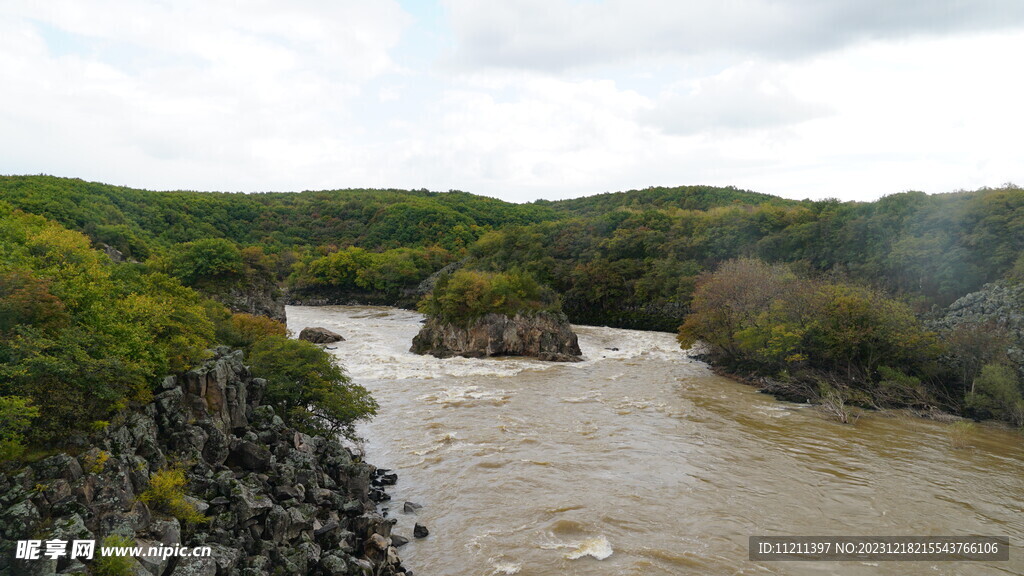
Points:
(623, 258)
(636, 259)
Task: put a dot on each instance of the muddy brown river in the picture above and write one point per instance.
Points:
(641, 461)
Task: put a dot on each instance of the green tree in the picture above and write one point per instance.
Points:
(80, 336)
(16, 415)
(206, 260)
(308, 387)
(998, 394)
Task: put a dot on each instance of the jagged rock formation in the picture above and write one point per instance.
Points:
(277, 501)
(1000, 304)
(544, 335)
(114, 254)
(318, 335)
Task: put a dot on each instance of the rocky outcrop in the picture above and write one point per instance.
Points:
(277, 501)
(999, 306)
(544, 335)
(318, 335)
(262, 297)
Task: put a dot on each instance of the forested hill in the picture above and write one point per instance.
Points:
(625, 259)
(685, 197)
(134, 220)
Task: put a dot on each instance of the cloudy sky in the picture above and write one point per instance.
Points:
(517, 99)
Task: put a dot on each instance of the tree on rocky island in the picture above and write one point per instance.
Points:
(476, 314)
(469, 294)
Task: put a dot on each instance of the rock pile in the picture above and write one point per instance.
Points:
(1000, 304)
(276, 501)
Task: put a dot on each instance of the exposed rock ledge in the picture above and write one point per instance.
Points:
(278, 501)
(544, 335)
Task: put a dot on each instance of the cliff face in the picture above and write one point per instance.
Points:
(544, 335)
(277, 501)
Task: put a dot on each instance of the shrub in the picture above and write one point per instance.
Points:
(206, 260)
(166, 493)
(249, 329)
(16, 414)
(762, 317)
(113, 565)
(997, 393)
(95, 462)
(959, 433)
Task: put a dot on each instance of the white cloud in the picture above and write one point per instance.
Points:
(748, 96)
(565, 34)
(153, 88)
(594, 97)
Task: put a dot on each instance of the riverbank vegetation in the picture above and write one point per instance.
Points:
(828, 340)
(853, 293)
(82, 338)
(841, 343)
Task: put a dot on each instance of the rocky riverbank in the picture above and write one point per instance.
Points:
(543, 335)
(275, 501)
(996, 310)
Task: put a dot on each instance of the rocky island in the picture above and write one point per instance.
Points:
(544, 335)
(476, 314)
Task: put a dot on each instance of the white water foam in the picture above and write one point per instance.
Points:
(463, 395)
(598, 548)
(380, 338)
(505, 566)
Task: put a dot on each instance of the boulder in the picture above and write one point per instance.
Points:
(318, 335)
(542, 335)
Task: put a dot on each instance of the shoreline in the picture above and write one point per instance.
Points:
(764, 385)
